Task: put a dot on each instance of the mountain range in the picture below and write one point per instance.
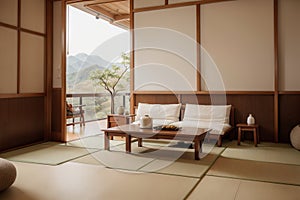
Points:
(81, 65)
(82, 61)
(79, 68)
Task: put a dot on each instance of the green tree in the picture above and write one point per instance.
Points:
(109, 78)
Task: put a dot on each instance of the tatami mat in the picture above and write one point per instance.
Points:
(121, 160)
(47, 153)
(249, 190)
(93, 142)
(233, 173)
(216, 188)
(265, 152)
(79, 181)
(155, 158)
(254, 170)
(185, 165)
(88, 159)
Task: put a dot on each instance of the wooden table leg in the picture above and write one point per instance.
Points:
(140, 142)
(200, 146)
(239, 136)
(255, 137)
(197, 146)
(106, 141)
(128, 143)
(258, 140)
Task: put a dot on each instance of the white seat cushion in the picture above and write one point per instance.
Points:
(217, 128)
(169, 112)
(207, 113)
(215, 117)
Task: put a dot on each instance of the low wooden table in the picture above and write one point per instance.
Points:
(195, 135)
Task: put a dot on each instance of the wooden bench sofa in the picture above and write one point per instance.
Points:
(219, 118)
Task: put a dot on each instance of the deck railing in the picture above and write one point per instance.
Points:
(97, 105)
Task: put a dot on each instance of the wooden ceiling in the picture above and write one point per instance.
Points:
(114, 11)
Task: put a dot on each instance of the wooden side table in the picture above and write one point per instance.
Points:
(245, 127)
(118, 120)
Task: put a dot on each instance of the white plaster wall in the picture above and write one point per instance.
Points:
(57, 44)
(289, 45)
(239, 37)
(9, 12)
(32, 63)
(147, 3)
(8, 57)
(165, 40)
(33, 15)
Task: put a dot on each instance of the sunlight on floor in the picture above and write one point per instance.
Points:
(90, 129)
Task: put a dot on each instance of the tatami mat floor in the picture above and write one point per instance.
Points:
(81, 169)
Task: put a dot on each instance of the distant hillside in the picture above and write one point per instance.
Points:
(83, 60)
(79, 68)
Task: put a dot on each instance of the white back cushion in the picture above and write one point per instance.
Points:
(207, 113)
(159, 111)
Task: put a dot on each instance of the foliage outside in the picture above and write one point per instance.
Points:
(111, 78)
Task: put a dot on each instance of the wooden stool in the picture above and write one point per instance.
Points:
(246, 127)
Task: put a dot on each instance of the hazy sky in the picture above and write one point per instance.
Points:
(86, 33)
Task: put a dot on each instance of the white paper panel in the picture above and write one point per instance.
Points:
(148, 3)
(239, 36)
(8, 57)
(163, 71)
(289, 45)
(32, 63)
(165, 39)
(33, 15)
(9, 12)
(57, 44)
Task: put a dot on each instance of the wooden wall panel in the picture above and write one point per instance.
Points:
(289, 115)
(157, 99)
(21, 121)
(56, 120)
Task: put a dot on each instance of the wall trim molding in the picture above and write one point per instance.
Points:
(21, 95)
(208, 92)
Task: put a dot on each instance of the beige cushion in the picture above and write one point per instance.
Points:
(217, 128)
(8, 174)
(295, 137)
(207, 113)
(159, 111)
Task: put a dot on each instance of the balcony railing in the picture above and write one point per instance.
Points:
(97, 105)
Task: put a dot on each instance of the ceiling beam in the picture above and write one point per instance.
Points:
(104, 2)
(108, 14)
(101, 11)
(121, 17)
